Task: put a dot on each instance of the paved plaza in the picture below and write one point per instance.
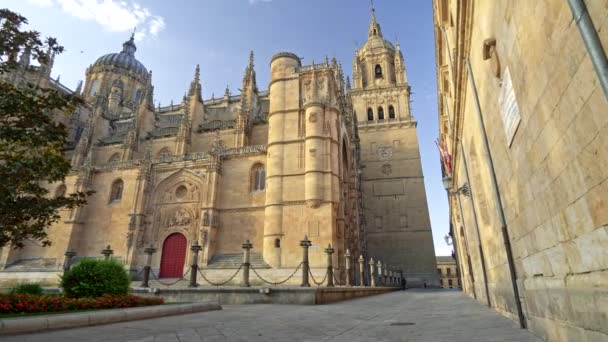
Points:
(414, 315)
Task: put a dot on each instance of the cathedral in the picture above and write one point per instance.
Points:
(311, 156)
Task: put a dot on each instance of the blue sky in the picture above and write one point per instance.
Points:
(173, 36)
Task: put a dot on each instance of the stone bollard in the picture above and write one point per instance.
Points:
(372, 272)
(305, 270)
(194, 265)
(361, 271)
(107, 252)
(330, 266)
(149, 251)
(348, 268)
(246, 264)
(67, 263)
(380, 275)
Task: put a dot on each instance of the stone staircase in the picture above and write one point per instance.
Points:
(234, 260)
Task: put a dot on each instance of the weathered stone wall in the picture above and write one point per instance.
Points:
(552, 177)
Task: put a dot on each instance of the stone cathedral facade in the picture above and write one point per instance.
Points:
(266, 166)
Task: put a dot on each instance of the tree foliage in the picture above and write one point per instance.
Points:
(31, 141)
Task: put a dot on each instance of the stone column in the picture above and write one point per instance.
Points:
(372, 277)
(348, 268)
(380, 280)
(107, 252)
(194, 265)
(149, 251)
(330, 266)
(361, 271)
(246, 246)
(305, 244)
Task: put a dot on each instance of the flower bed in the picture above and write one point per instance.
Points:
(24, 303)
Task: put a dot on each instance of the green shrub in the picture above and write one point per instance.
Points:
(95, 278)
(32, 289)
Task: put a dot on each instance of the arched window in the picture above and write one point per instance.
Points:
(380, 113)
(163, 152)
(378, 71)
(116, 191)
(277, 243)
(114, 158)
(136, 96)
(391, 112)
(258, 178)
(370, 114)
(94, 88)
(60, 191)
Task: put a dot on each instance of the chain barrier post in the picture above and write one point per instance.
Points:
(348, 270)
(305, 267)
(107, 252)
(372, 277)
(330, 266)
(386, 282)
(379, 267)
(246, 264)
(67, 262)
(149, 251)
(194, 265)
(361, 271)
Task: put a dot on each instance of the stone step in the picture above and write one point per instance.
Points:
(234, 260)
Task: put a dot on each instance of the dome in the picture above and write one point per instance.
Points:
(377, 42)
(124, 60)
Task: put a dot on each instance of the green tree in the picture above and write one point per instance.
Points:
(31, 141)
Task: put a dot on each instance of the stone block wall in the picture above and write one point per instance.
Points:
(552, 176)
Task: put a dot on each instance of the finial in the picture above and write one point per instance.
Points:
(251, 59)
(227, 91)
(372, 9)
(348, 82)
(133, 34)
(326, 60)
(197, 73)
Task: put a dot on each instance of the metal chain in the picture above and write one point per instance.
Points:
(169, 284)
(276, 283)
(336, 281)
(315, 281)
(222, 283)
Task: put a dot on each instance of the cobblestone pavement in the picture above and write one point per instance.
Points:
(413, 315)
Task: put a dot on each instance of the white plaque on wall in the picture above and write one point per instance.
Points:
(509, 109)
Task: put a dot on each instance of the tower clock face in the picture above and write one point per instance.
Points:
(385, 152)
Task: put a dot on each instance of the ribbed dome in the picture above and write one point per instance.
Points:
(377, 42)
(124, 59)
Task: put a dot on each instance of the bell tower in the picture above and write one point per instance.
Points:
(398, 227)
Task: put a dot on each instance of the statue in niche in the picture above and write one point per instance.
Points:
(206, 219)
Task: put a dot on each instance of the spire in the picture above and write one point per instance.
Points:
(25, 58)
(195, 85)
(78, 90)
(347, 82)
(374, 27)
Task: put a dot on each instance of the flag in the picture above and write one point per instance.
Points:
(445, 156)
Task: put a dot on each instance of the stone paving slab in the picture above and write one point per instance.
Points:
(413, 315)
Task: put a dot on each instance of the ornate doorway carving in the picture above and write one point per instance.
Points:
(173, 257)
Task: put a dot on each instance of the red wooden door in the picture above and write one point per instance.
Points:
(173, 257)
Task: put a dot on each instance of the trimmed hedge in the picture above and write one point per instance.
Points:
(32, 289)
(95, 278)
(23, 303)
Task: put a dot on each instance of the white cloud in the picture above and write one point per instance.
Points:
(253, 2)
(112, 15)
